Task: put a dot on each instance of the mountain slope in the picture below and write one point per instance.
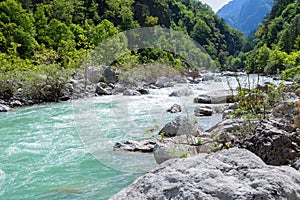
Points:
(278, 41)
(245, 15)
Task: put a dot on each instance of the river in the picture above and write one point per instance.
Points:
(46, 152)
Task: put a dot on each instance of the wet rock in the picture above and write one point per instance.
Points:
(109, 75)
(181, 93)
(181, 126)
(275, 141)
(296, 164)
(143, 91)
(230, 130)
(131, 93)
(227, 114)
(103, 89)
(218, 79)
(228, 174)
(203, 111)
(94, 74)
(179, 79)
(181, 146)
(174, 108)
(163, 82)
(119, 88)
(215, 97)
(15, 103)
(67, 92)
(144, 146)
(207, 76)
(4, 108)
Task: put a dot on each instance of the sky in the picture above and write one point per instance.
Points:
(215, 4)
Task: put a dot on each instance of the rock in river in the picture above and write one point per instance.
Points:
(181, 93)
(181, 126)
(143, 146)
(103, 89)
(131, 93)
(203, 111)
(225, 175)
(4, 108)
(215, 97)
(174, 108)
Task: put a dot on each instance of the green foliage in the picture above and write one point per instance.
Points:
(255, 103)
(277, 47)
(62, 34)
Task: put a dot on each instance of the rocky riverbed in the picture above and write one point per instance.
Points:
(255, 146)
(228, 174)
(275, 140)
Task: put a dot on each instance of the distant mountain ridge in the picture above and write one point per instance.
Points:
(245, 15)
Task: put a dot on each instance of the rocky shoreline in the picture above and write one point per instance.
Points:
(228, 174)
(235, 143)
(271, 141)
(99, 81)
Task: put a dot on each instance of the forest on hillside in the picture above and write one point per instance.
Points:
(60, 32)
(275, 48)
(42, 42)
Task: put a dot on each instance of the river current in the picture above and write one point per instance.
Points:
(46, 151)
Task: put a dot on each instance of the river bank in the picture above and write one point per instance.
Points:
(270, 138)
(118, 118)
(101, 81)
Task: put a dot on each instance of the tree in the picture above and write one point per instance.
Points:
(200, 32)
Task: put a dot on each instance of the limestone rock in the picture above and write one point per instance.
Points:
(93, 74)
(131, 93)
(103, 89)
(181, 146)
(4, 108)
(15, 103)
(203, 111)
(144, 146)
(109, 75)
(215, 97)
(181, 93)
(143, 91)
(225, 175)
(274, 141)
(174, 108)
(181, 126)
(163, 82)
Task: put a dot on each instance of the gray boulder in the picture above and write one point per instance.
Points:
(131, 93)
(215, 97)
(225, 175)
(208, 76)
(163, 82)
(203, 111)
(109, 75)
(144, 146)
(179, 79)
(15, 103)
(181, 126)
(4, 108)
(119, 88)
(181, 93)
(275, 141)
(296, 164)
(143, 91)
(181, 147)
(93, 74)
(103, 89)
(174, 108)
